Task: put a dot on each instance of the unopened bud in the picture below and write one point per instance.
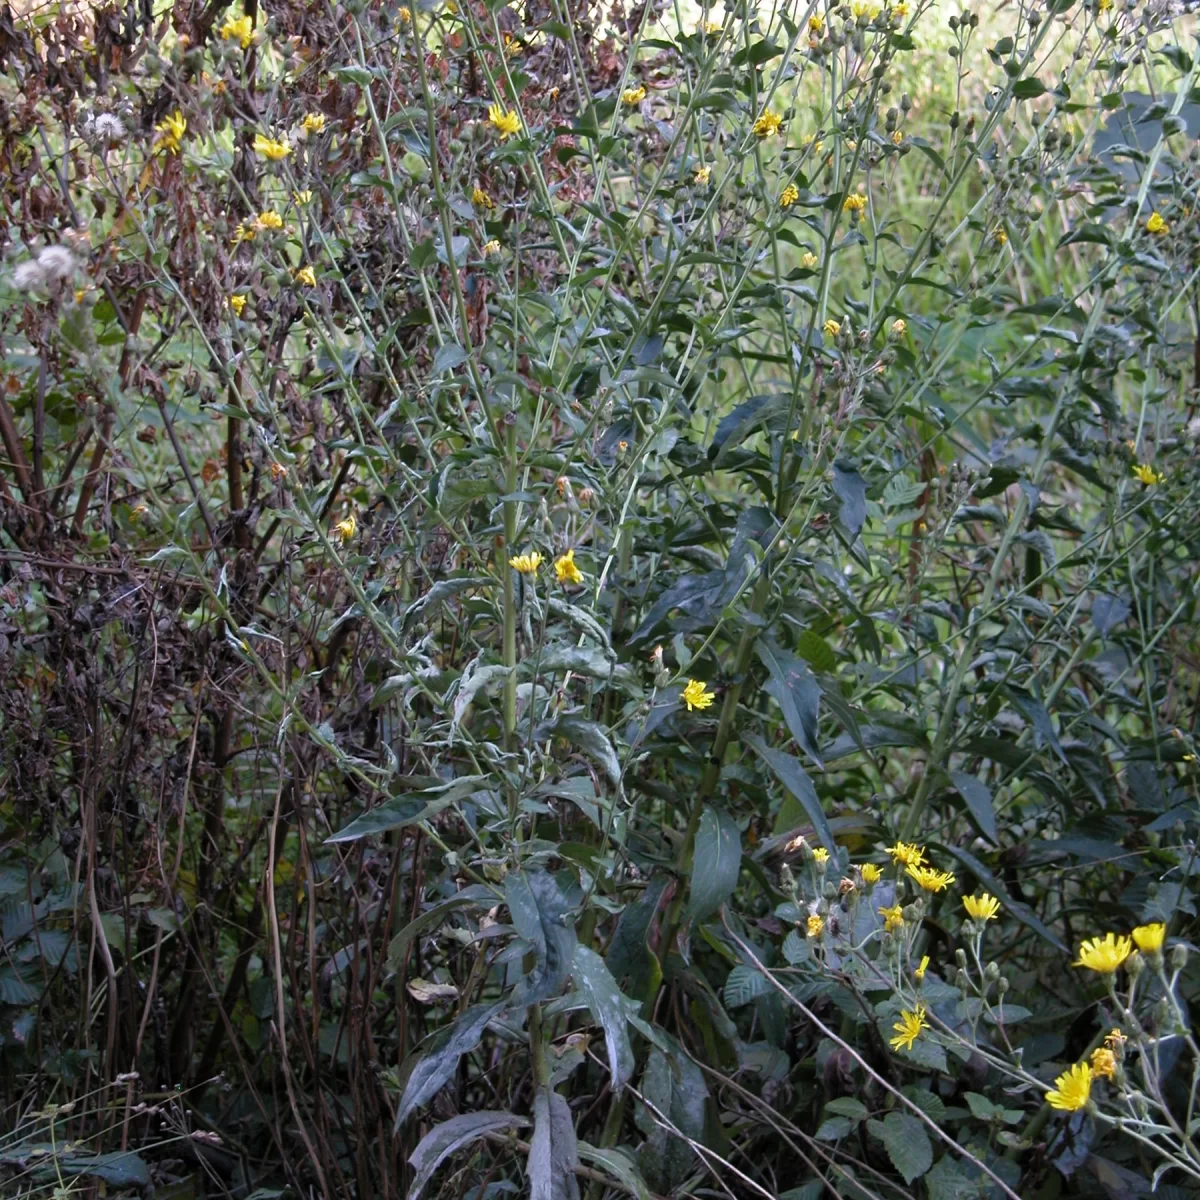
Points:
(1179, 957)
(991, 972)
(960, 957)
(1001, 985)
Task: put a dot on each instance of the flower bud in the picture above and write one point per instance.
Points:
(1135, 964)
(1179, 957)
(960, 957)
(991, 972)
(1001, 985)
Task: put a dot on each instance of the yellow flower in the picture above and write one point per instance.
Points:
(811, 139)
(1104, 954)
(897, 137)
(306, 276)
(808, 260)
(238, 29)
(854, 203)
(981, 908)
(405, 14)
(269, 148)
(302, 198)
(999, 237)
(767, 125)
(171, 130)
(505, 123)
(1104, 1062)
(870, 873)
(900, 11)
(820, 854)
(860, 9)
(313, 123)
(906, 854)
(565, 569)
(831, 328)
(815, 925)
(268, 220)
(908, 1028)
(243, 233)
(346, 528)
(1147, 475)
(1149, 938)
(702, 176)
(490, 248)
(237, 303)
(278, 471)
(708, 27)
(481, 199)
(816, 23)
(893, 918)
(930, 879)
(1071, 1089)
(633, 96)
(1156, 224)
(695, 695)
(919, 973)
(527, 564)
(1115, 1040)
(512, 47)
(789, 196)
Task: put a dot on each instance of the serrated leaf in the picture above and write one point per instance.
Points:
(847, 1106)
(815, 651)
(716, 863)
(907, 1144)
(743, 985)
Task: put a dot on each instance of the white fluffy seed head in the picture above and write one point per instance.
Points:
(28, 275)
(57, 262)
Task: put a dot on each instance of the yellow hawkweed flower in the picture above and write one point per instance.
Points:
(702, 176)
(302, 198)
(278, 471)
(481, 199)
(815, 925)
(512, 47)
(171, 130)
(999, 237)
(929, 879)
(981, 908)
(820, 854)
(306, 276)
(708, 27)
(268, 220)
(919, 973)
(238, 29)
(405, 14)
(767, 125)
(491, 247)
(527, 564)
(831, 328)
(237, 303)
(313, 123)
(1147, 475)
(861, 9)
(633, 96)
(505, 123)
(1115, 1040)
(1156, 224)
(905, 854)
(893, 918)
(899, 327)
(695, 695)
(908, 1028)
(811, 139)
(816, 23)
(1104, 1062)
(270, 148)
(856, 202)
(1149, 938)
(870, 873)
(243, 233)
(789, 196)
(565, 569)
(1071, 1089)
(808, 260)
(1104, 954)
(897, 137)
(900, 11)
(346, 528)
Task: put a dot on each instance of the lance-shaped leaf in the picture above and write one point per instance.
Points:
(442, 1140)
(795, 689)
(608, 1007)
(538, 911)
(554, 1151)
(716, 863)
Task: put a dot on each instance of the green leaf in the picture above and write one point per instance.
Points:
(847, 1106)
(591, 739)
(744, 984)
(791, 774)
(1029, 89)
(716, 863)
(538, 910)
(619, 1165)
(608, 1007)
(553, 1150)
(444, 1139)
(851, 490)
(815, 651)
(408, 810)
(449, 356)
(832, 1129)
(978, 798)
(907, 1144)
(981, 1107)
(795, 689)
(475, 895)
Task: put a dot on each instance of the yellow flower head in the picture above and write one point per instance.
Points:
(278, 471)
(313, 123)
(1104, 1062)
(893, 918)
(767, 125)
(708, 27)
(1104, 954)
(831, 328)
(908, 1028)
(270, 148)
(481, 199)
(815, 925)
(905, 854)
(491, 247)
(808, 260)
(860, 9)
(899, 327)
(815, 24)
(820, 854)
(1156, 224)
(405, 14)
(633, 96)
(696, 695)
(897, 137)
(238, 29)
(243, 233)
(170, 132)
(981, 908)
(919, 973)
(1149, 938)
(999, 237)
(237, 303)
(929, 879)
(565, 569)
(1071, 1089)
(856, 202)
(1147, 475)
(789, 196)
(268, 220)
(346, 528)
(1115, 1040)
(505, 123)
(702, 176)
(305, 275)
(870, 873)
(900, 11)
(302, 198)
(527, 564)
